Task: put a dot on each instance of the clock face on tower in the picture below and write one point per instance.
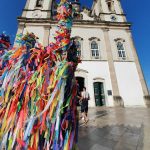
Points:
(37, 14)
(113, 18)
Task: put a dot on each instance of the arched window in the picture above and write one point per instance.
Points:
(110, 5)
(121, 50)
(94, 49)
(78, 41)
(39, 3)
(78, 45)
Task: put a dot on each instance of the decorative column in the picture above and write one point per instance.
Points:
(46, 35)
(116, 95)
(138, 66)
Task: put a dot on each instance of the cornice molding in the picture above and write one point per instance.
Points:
(78, 37)
(37, 8)
(98, 78)
(94, 38)
(119, 39)
(75, 22)
(82, 70)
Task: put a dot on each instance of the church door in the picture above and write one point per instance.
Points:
(80, 82)
(99, 94)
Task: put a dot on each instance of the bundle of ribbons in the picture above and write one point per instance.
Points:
(38, 91)
(4, 42)
(4, 50)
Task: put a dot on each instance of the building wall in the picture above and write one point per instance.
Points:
(102, 6)
(32, 4)
(122, 34)
(37, 12)
(86, 33)
(100, 72)
(126, 71)
(92, 68)
(129, 84)
(123, 77)
(37, 30)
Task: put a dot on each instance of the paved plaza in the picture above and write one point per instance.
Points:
(116, 129)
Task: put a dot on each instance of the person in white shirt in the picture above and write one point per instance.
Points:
(84, 104)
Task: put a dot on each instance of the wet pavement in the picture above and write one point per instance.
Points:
(116, 129)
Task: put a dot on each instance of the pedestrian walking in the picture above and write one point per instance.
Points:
(84, 104)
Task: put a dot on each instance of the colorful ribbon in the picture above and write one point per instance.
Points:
(38, 91)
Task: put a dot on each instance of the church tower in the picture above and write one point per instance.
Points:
(110, 68)
(37, 9)
(108, 10)
(36, 18)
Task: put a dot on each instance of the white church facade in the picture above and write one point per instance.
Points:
(110, 68)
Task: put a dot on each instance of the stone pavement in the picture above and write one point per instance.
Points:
(116, 129)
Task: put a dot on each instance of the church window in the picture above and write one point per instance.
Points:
(94, 49)
(121, 50)
(39, 3)
(78, 42)
(78, 45)
(110, 5)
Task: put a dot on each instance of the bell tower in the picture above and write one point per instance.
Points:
(36, 18)
(108, 10)
(37, 9)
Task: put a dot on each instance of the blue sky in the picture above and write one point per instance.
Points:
(137, 13)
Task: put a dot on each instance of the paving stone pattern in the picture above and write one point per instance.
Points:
(116, 129)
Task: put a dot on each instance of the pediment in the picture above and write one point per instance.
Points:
(82, 70)
(98, 78)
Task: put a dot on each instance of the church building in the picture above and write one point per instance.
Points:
(110, 68)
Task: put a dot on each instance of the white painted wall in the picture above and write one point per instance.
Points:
(97, 69)
(86, 17)
(118, 10)
(30, 14)
(86, 33)
(119, 33)
(117, 6)
(101, 69)
(107, 17)
(129, 84)
(96, 8)
(41, 14)
(127, 75)
(32, 4)
(37, 30)
(46, 4)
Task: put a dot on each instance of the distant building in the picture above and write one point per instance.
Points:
(110, 67)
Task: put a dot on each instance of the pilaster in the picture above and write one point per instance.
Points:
(116, 95)
(46, 35)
